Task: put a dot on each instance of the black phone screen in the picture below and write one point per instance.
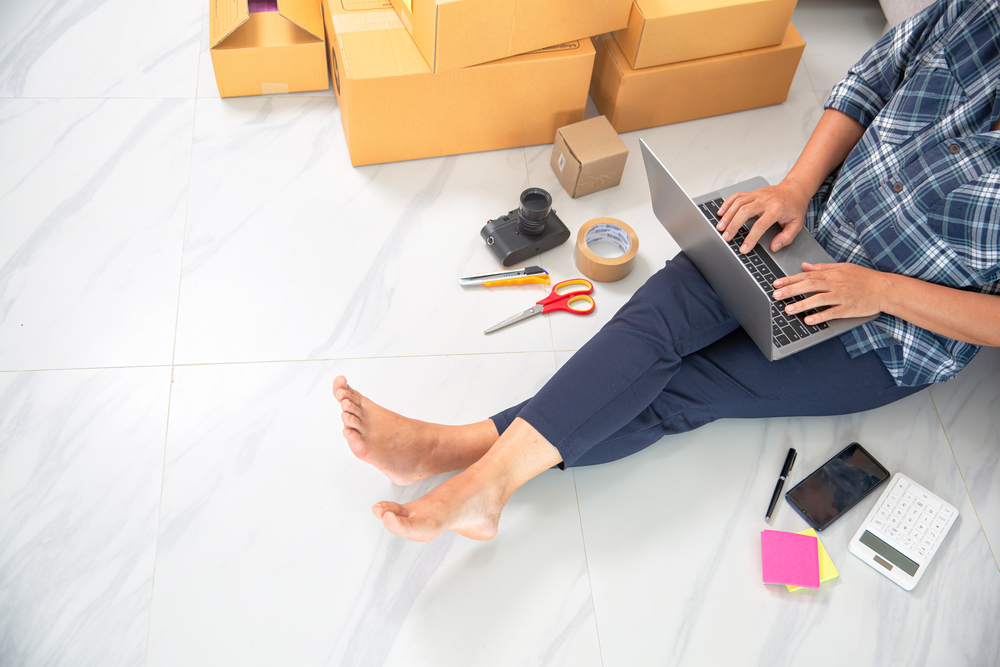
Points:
(837, 486)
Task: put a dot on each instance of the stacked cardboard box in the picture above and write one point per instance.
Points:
(683, 59)
(260, 47)
(400, 100)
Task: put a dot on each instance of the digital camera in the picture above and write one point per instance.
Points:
(528, 230)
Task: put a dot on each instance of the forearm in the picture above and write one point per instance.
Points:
(970, 317)
(835, 136)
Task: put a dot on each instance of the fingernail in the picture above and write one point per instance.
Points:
(777, 246)
(790, 309)
(743, 248)
(777, 295)
(726, 235)
(809, 320)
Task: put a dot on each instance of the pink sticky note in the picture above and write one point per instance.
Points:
(789, 558)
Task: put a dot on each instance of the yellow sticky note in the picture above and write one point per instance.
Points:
(826, 569)
(409, 6)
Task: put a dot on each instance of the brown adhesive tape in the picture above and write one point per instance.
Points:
(606, 230)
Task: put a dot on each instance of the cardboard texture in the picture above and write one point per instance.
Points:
(588, 156)
(635, 99)
(394, 108)
(660, 32)
(452, 34)
(259, 53)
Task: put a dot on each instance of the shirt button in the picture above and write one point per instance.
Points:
(954, 148)
(851, 224)
(897, 187)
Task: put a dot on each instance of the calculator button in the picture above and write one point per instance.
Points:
(894, 532)
(900, 486)
(883, 513)
(921, 525)
(929, 512)
(942, 519)
(904, 528)
(893, 498)
(919, 503)
(908, 496)
(937, 527)
(922, 551)
(909, 520)
(903, 505)
(946, 511)
(897, 512)
(893, 520)
(932, 535)
(914, 512)
(927, 543)
(877, 522)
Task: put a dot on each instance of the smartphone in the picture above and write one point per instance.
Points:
(837, 486)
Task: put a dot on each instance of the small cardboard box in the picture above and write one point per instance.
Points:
(458, 33)
(260, 47)
(394, 108)
(660, 32)
(588, 156)
(633, 99)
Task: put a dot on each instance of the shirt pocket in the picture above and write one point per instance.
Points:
(923, 99)
(967, 222)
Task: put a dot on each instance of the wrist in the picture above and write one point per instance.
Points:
(887, 290)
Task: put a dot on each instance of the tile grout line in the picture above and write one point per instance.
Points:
(964, 482)
(173, 353)
(586, 561)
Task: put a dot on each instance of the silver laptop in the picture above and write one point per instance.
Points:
(743, 282)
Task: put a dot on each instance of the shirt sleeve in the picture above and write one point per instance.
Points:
(873, 80)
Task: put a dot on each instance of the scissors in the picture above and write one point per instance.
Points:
(557, 300)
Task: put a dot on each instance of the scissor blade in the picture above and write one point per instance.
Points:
(525, 314)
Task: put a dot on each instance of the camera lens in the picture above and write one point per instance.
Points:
(533, 214)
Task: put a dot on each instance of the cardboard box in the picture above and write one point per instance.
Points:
(458, 33)
(660, 32)
(588, 156)
(394, 108)
(633, 99)
(260, 47)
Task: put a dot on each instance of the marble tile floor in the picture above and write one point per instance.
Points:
(182, 277)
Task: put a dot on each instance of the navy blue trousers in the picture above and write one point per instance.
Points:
(673, 359)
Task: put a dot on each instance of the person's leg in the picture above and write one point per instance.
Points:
(731, 379)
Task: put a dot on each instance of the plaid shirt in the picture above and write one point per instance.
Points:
(920, 193)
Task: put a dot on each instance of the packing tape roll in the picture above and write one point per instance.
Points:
(606, 230)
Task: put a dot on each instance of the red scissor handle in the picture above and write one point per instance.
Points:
(563, 300)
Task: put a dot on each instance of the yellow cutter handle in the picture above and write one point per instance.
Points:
(518, 281)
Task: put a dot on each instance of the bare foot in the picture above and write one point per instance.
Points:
(463, 504)
(407, 450)
(470, 502)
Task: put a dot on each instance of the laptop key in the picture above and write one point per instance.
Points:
(790, 332)
(799, 328)
(781, 340)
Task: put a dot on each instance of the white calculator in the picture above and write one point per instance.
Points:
(903, 531)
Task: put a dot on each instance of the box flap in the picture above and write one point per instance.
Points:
(307, 14)
(225, 16)
(656, 8)
(592, 140)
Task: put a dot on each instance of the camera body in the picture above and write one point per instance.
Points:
(528, 230)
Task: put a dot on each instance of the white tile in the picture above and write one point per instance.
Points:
(111, 48)
(703, 155)
(970, 411)
(269, 554)
(837, 33)
(81, 460)
(359, 261)
(92, 204)
(673, 543)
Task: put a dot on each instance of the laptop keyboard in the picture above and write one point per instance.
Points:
(785, 329)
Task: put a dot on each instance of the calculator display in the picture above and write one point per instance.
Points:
(837, 486)
(890, 554)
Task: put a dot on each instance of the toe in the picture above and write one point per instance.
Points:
(351, 421)
(379, 509)
(349, 406)
(356, 443)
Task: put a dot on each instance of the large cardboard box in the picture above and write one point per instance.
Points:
(394, 108)
(260, 47)
(669, 31)
(458, 33)
(633, 99)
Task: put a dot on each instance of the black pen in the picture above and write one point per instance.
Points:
(785, 469)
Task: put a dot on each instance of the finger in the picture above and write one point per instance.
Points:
(757, 230)
(786, 235)
(831, 313)
(737, 202)
(746, 212)
(814, 301)
(806, 266)
(805, 285)
(729, 200)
